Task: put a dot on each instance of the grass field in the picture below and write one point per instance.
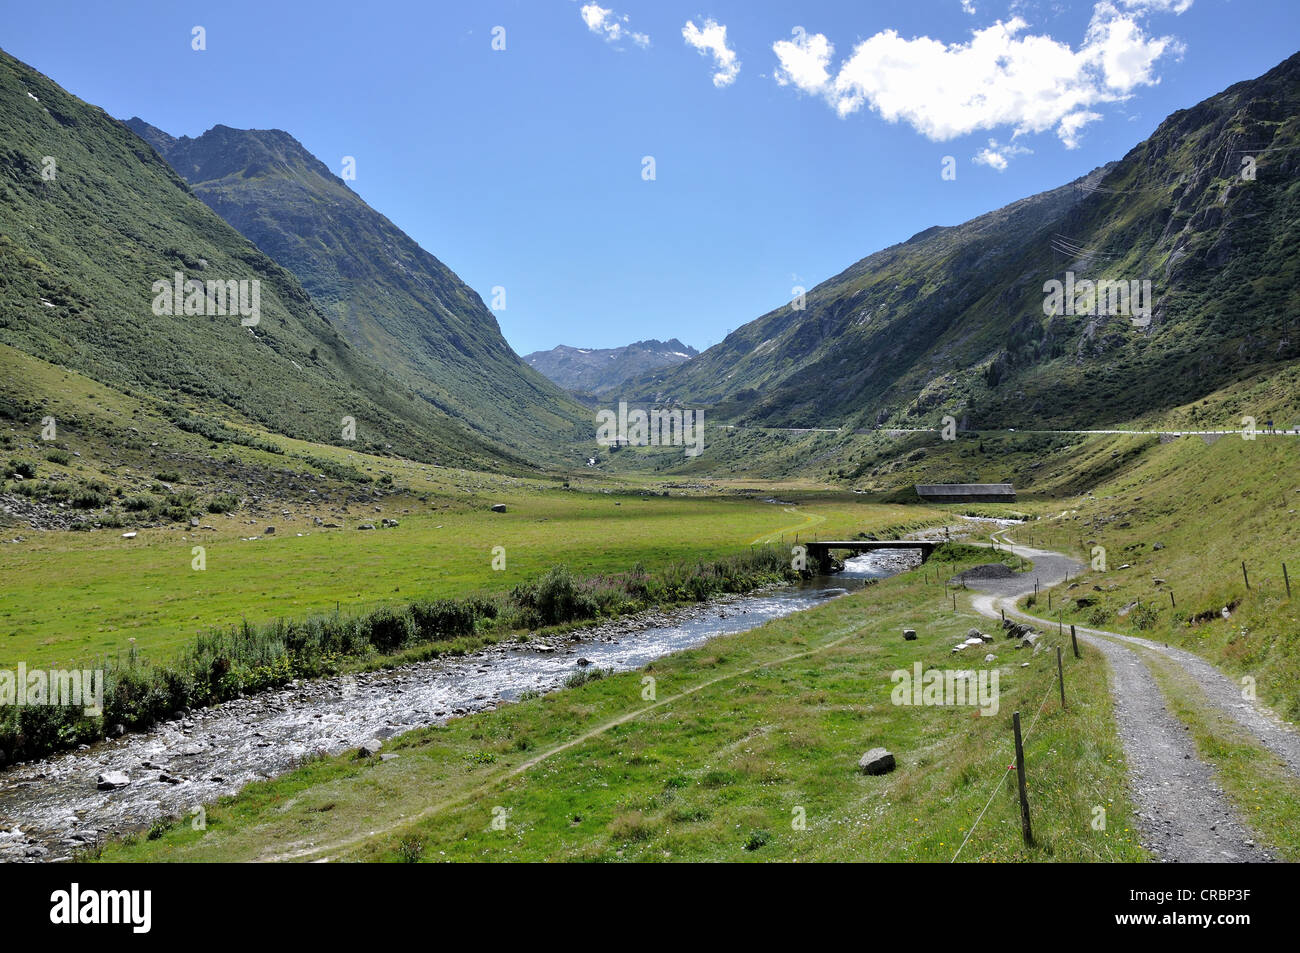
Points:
(743, 737)
(74, 595)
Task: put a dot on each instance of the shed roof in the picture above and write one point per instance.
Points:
(965, 489)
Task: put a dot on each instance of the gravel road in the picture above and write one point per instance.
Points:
(1183, 813)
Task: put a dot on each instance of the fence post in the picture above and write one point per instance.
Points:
(1172, 604)
(1287, 580)
(1243, 573)
(1060, 676)
(1025, 829)
(1074, 640)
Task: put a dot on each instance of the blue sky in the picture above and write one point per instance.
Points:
(808, 136)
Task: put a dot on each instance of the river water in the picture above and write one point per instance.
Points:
(51, 807)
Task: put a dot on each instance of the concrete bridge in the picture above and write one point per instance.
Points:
(821, 548)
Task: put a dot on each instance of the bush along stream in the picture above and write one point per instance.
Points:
(242, 660)
(55, 808)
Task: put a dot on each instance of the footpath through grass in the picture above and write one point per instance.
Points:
(745, 748)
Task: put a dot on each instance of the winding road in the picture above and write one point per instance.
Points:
(1183, 813)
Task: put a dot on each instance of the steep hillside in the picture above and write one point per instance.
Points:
(392, 300)
(91, 218)
(953, 320)
(600, 371)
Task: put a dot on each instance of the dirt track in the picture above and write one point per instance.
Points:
(1183, 814)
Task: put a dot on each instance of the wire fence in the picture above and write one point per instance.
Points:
(1001, 777)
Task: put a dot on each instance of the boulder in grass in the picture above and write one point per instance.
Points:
(498, 507)
(909, 635)
(369, 748)
(877, 761)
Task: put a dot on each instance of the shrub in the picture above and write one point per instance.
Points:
(23, 468)
(1144, 616)
(554, 598)
(61, 457)
(411, 849)
(584, 675)
(226, 503)
(89, 498)
(390, 629)
(449, 618)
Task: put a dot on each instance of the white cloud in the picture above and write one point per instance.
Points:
(1125, 53)
(1158, 6)
(804, 60)
(1071, 123)
(1002, 77)
(712, 39)
(612, 26)
(968, 7)
(996, 156)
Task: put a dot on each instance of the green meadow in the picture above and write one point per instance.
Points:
(746, 749)
(72, 596)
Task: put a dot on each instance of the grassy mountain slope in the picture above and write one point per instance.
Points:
(391, 299)
(953, 319)
(80, 251)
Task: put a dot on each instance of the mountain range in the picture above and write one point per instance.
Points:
(953, 320)
(391, 299)
(357, 321)
(601, 371)
(93, 221)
